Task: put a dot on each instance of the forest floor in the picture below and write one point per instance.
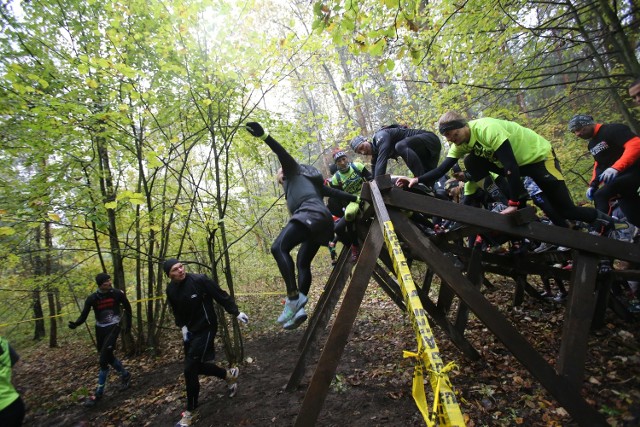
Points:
(372, 386)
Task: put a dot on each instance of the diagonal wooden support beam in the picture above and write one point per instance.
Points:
(564, 391)
(321, 316)
(578, 317)
(326, 303)
(389, 285)
(338, 336)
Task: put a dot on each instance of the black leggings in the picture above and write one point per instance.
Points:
(548, 177)
(106, 338)
(420, 152)
(293, 234)
(197, 352)
(625, 186)
(346, 232)
(13, 415)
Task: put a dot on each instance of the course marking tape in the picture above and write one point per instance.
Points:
(445, 406)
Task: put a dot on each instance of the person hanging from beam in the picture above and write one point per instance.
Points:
(310, 225)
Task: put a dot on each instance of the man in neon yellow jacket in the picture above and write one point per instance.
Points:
(512, 151)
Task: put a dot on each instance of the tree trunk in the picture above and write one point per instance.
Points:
(53, 326)
(38, 313)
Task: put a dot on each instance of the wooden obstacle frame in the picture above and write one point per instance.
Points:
(587, 302)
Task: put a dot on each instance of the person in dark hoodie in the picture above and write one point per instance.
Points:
(191, 298)
(310, 225)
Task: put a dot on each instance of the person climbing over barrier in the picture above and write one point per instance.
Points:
(616, 168)
(512, 151)
(310, 225)
(420, 149)
(349, 177)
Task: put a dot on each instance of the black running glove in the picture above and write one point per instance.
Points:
(256, 130)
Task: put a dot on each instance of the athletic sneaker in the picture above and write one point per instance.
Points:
(232, 381)
(188, 419)
(560, 297)
(126, 380)
(291, 307)
(544, 246)
(92, 400)
(297, 320)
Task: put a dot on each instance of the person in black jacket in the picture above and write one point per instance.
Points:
(616, 153)
(106, 303)
(310, 225)
(420, 149)
(191, 297)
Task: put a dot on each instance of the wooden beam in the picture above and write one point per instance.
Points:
(321, 316)
(578, 317)
(390, 286)
(396, 197)
(564, 391)
(338, 336)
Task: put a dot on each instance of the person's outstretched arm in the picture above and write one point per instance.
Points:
(338, 194)
(433, 175)
(85, 313)
(289, 164)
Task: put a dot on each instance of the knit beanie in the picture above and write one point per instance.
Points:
(168, 263)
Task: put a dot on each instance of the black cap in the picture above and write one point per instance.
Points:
(168, 263)
(101, 278)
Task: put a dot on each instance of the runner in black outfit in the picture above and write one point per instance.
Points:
(310, 226)
(616, 151)
(191, 299)
(106, 303)
(420, 149)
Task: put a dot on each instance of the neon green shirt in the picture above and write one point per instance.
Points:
(488, 134)
(470, 187)
(8, 393)
(350, 181)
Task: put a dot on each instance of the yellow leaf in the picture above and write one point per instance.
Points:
(54, 216)
(7, 231)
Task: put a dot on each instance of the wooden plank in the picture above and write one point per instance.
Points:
(338, 276)
(396, 197)
(564, 391)
(321, 316)
(338, 336)
(475, 276)
(390, 286)
(577, 318)
(602, 300)
(445, 297)
(518, 294)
